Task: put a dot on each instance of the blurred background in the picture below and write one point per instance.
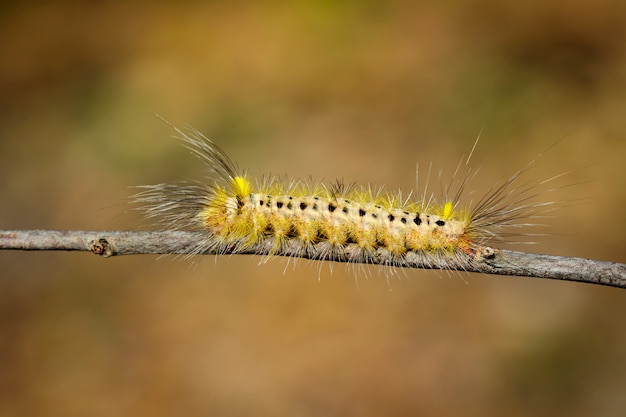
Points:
(359, 90)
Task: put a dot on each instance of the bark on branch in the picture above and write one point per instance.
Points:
(490, 261)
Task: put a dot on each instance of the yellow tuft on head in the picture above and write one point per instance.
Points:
(241, 186)
(447, 210)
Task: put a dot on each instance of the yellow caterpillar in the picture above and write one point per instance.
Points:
(333, 222)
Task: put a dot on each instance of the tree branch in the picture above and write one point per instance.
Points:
(487, 261)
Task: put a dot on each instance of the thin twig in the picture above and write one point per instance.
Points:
(489, 261)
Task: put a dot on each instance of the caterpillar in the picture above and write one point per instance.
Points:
(337, 221)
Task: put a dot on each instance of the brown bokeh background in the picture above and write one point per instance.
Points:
(359, 90)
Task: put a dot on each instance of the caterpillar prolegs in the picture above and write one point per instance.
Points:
(336, 221)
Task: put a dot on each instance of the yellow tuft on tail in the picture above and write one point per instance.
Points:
(241, 186)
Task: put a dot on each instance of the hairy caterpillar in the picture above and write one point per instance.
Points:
(336, 222)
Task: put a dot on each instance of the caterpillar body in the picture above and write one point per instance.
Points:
(334, 222)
